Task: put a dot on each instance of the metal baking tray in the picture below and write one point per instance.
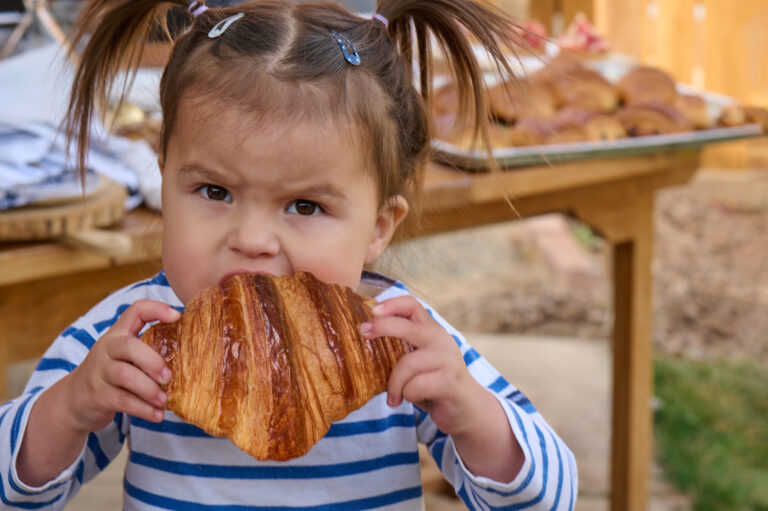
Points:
(613, 69)
(509, 157)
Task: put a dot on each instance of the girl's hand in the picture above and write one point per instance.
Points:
(121, 373)
(434, 376)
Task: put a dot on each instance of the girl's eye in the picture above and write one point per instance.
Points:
(215, 193)
(304, 207)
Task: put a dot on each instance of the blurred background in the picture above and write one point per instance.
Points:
(535, 294)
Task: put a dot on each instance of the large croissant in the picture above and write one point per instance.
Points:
(271, 362)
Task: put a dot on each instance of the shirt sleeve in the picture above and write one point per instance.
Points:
(548, 478)
(61, 358)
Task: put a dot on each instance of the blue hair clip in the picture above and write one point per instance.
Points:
(345, 46)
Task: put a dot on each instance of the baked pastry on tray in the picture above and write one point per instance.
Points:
(568, 125)
(694, 108)
(585, 89)
(447, 129)
(596, 126)
(271, 362)
(562, 65)
(738, 115)
(652, 119)
(517, 98)
(646, 84)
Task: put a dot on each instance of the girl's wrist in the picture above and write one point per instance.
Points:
(480, 402)
(51, 440)
(487, 445)
(66, 408)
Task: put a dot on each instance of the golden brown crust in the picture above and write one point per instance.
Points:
(585, 89)
(694, 108)
(531, 131)
(594, 125)
(499, 135)
(604, 127)
(561, 66)
(732, 115)
(652, 119)
(758, 115)
(519, 99)
(645, 84)
(739, 115)
(271, 362)
(445, 98)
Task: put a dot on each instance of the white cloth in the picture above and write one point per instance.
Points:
(34, 94)
(34, 165)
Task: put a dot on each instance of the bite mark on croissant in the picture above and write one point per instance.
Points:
(272, 362)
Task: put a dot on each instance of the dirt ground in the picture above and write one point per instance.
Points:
(710, 274)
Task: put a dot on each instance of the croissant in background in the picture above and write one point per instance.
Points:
(652, 119)
(517, 99)
(585, 89)
(271, 362)
(694, 108)
(738, 115)
(596, 126)
(561, 66)
(646, 84)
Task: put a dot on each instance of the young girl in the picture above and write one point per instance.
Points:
(292, 134)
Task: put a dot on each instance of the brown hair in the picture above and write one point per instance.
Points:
(280, 59)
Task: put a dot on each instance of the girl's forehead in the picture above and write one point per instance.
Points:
(228, 135)
(238, 121)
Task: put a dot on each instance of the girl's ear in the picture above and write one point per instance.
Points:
(390, 215)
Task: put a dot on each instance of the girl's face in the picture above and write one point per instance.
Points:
(269, 197)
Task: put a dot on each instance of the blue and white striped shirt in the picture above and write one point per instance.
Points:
(369, 460)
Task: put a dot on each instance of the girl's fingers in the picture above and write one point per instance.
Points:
(126, 402)
(130, 378)
(425, 387)
(131, 349)
(408, 367)
(402, 306)
(142, 312)
(395, 326)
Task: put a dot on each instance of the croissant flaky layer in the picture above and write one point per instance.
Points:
(271, 362)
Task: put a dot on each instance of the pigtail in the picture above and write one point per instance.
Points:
(448, 22)
(113, 34)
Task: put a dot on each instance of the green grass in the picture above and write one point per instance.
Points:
(712, 431)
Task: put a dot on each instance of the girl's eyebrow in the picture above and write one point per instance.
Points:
(324, 190)
(320, 190)
(194, 168)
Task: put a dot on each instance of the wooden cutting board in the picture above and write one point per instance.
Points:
(72, 220)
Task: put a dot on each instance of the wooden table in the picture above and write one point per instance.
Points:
(43, 287)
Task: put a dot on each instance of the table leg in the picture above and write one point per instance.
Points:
(632, 363)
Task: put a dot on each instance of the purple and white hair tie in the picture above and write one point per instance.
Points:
(197, 8)
(378, 17)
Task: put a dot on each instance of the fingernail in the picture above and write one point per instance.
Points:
(366, 328)
(165, 376)
(174, 314)
(390, 401)
(159, 415)
(377, 310)
(162, 398)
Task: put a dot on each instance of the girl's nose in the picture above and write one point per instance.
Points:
(253, 236)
